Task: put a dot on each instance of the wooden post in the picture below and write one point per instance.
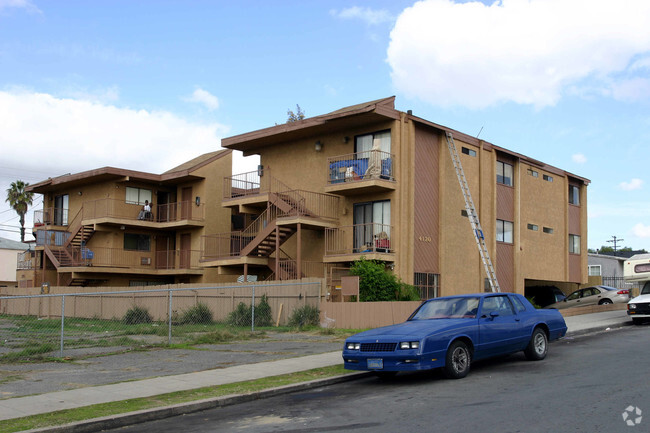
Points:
(277, 322)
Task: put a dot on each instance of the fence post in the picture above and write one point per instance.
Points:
(62, 323)
(253, 311)
(169, 319)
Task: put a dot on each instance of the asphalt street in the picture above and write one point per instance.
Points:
(584, 385)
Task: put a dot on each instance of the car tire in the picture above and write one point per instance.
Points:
(606, 302)
(537, 346)
(457, 361)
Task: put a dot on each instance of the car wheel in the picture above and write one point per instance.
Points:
(538, 346)
(457, 360)
(606, 302)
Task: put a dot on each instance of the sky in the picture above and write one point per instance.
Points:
(148, 85)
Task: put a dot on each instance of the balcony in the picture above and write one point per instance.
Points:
(361, 172)
(250, 189)
(169, 215)
(118, 260)
(349, 243)
(51, 216)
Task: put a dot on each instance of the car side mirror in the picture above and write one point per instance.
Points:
(494, 314)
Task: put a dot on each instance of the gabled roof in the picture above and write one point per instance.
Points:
(8, 244)
(182, 173)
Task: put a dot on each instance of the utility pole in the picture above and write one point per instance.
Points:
(614, 240)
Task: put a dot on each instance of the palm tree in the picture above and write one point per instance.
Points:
(19, 199)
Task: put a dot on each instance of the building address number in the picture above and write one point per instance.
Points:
(424, 238)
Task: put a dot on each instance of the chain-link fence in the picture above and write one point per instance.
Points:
(59, 324)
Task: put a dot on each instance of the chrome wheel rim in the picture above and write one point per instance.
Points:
(540, 343)
(459, 359)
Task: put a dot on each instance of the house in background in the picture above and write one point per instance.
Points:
(94, 229)
(371, 181)
(11, 252)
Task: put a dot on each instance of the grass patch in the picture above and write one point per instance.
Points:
(119, 407)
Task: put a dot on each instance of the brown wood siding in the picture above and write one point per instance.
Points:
(574, 220)
(575, 271)
(505, 203)
(505, 266)
(426, 201)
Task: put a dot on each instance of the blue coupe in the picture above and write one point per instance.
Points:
(453, 331)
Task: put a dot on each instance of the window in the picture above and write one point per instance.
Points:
(574, 195)
(519, 306)
(364, 143)
(533, 173)
(533, 227)
(137, 195)
(504, 231)
(594, 270)
(372, 226)
(574, 244)
(468, 151)
(133, 242)
(504, 173)
(548, 230)
(427, 284)
(498, 304)
(61, 203)
(548, 178)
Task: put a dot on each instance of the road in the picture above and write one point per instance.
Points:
(584, 385)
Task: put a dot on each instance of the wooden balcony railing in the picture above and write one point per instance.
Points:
(310, 204)
(251, 183)
(359, 239)
(120, 258)
(170, 212)
(354, 167)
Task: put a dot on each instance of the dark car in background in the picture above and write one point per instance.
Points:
(542, 296)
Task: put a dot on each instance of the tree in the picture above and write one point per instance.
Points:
(377, 284)
(294, 117)
(19, 200)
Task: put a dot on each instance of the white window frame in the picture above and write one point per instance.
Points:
(505, 231)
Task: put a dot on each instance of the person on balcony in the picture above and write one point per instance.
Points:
(374, 161)
(145, 213)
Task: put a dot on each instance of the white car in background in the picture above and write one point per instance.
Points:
(639, 308)
(595, 295)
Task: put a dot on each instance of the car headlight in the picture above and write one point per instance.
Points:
(409, 345)
(631, 306)
(353, 346)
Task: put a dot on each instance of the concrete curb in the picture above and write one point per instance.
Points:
(598, 329)
(130, 418)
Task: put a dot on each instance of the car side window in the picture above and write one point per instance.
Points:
(519, 306)
(574, 295)
(588, 292)
(498, 304)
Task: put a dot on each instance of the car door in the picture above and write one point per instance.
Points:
(574, 299)
(590, 296)
(500, 327)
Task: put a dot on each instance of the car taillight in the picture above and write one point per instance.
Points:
(623, 292)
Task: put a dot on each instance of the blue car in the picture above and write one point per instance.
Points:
(451, 332)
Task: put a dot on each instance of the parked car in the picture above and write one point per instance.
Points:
(451, 332)
(544, 295)
(639, 307)
(596, 295)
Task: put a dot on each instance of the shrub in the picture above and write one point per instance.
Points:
(263, 313)
(136, 315)
(407, 292)
(306, 315)
(199, 314)
(377, 284)
(241, 316)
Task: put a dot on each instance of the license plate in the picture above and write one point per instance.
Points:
(375, 364)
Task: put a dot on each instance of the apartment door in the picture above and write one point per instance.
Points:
(186, 203)
(163, 203)
(61, 210)
(186, 250)
(165, 249)
(371, 225)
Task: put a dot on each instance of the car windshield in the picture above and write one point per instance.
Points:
(646, 289)
(448, 308)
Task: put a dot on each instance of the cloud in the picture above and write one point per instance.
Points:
(205, 98)
(641, 230)
(368, 15)
(60, 135)
(579, 158)
(523, 51)
(632, 185)
(19, 4)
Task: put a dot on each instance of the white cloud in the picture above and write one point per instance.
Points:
(368, 15)
(641, 230)
(523, 51)
(204, 97)
(632, 185)
(60, 135)
(19, 4)
(579, 158)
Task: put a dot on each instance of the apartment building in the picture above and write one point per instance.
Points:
(117, 227)
(371, 181)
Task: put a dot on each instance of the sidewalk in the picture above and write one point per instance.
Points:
(54, 401)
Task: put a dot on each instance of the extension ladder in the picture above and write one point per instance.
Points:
(472, 216)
